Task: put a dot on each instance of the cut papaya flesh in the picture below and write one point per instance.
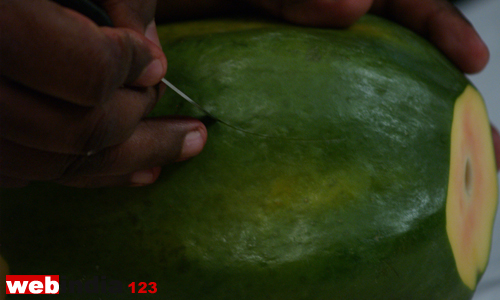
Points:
(472, 190)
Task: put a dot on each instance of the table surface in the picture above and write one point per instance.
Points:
(485, 17)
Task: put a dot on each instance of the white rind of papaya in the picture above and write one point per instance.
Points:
(472, 189)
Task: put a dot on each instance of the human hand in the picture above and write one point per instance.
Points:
(74, 97)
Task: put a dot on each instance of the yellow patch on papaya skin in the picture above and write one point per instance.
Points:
(472, 189)
(203, 27)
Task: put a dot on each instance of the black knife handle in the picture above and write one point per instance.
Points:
(89, 9)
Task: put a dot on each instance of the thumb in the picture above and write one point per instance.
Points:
(138, 16)
(144, 60)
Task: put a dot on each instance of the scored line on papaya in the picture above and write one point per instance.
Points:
(188, 99)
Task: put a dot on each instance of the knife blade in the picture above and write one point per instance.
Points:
(186, 97)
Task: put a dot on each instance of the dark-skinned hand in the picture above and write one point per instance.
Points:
(74, 97)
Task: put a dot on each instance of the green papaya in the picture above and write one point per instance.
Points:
(340, 164)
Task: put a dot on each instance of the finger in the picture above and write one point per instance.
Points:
(155, 142)
(441, 23)
(496, 145)
(340, 13)
(41, 122)
(152, 34)
(59, 52)
(137, 179)
(135, 15)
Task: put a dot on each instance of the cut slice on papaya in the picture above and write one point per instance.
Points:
(472, 189)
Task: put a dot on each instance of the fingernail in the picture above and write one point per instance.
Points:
(141, 178)
(152, 74)
(193, 144)
(152, 34)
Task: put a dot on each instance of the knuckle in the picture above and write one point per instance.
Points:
(101, 86)
(120, 54)
(106, 129)
(105, 126)
(99, 90)
(131, 54)
(72, 170)
(89, 165)
(107, 69)
(94, 135)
